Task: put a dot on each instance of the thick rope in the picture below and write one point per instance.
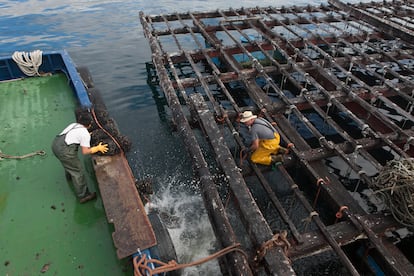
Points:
(142, 267)
(28, 63)
(6, 156)
(395, 183)
(104, 130)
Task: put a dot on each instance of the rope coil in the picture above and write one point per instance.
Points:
(395, 183)
(28, 63)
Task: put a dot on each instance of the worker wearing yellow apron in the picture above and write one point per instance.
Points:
(265, 144)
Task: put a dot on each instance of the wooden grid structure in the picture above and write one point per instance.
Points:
(337, 81)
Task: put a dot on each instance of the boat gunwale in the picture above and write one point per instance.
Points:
(52, 61)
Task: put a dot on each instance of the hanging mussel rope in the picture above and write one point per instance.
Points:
(395, 183)
(104, 129)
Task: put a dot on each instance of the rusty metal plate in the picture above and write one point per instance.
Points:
(123, 205)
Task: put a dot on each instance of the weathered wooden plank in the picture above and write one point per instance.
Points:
(335, 190)
(343, 232)
(393, 262)
(236, 262)
(123, 205)
(256, 225)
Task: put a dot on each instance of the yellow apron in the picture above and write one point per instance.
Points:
(266, 147)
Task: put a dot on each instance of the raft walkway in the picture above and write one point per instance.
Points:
(337, 82)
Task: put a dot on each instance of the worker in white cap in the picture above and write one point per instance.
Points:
(265, 146)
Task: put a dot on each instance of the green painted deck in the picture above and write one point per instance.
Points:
(41, 222)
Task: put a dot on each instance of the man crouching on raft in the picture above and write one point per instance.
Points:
(265, 146)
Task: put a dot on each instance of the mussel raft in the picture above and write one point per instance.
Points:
(337, 82)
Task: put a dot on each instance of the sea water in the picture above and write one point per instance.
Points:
(107, 37)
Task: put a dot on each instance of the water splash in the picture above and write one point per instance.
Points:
(187, 222)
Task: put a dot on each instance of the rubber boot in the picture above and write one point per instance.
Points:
(88, 197)
(283, 150)
(277, 159)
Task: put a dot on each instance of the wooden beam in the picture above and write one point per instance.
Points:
(256, 225)
(123, 205)
(343, 232)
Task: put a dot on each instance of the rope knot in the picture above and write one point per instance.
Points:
(340, 214)
(311, 215)
(278, 239)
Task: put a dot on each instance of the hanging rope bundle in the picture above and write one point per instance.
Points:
(28, 63)
(395, 183)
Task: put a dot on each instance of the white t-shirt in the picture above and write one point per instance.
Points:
(77, 134)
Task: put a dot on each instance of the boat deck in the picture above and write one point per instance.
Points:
(336, 81)
(43, 227)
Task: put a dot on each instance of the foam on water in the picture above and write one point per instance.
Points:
(188, 225)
